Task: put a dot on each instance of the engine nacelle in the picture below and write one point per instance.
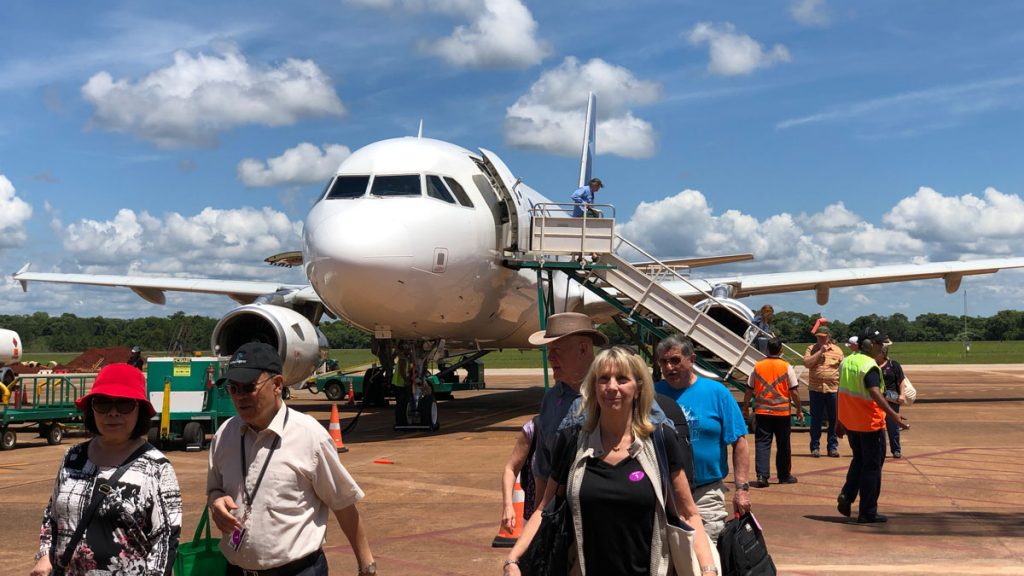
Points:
(301, 345)
(732, 314)
(10, 347)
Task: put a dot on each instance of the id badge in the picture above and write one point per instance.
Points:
(237, 536)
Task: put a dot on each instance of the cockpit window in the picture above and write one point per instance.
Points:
(396, 185)
(459, 192)
(347, 187)
(436, 189)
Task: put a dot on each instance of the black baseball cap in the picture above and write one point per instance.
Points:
(876, 336)
(251, 360)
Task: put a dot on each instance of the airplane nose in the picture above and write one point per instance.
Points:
(356, 250)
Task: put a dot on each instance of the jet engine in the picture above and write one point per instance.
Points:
(10, 347)
(301, 345)
(729, 312)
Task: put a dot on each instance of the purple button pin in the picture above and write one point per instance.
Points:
(636, 476)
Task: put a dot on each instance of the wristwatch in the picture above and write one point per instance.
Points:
(709, 569)
(743, 486)
(368, 570)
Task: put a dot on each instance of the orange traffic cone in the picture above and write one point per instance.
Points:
(351, 394)
(334, 428)
(506, 539)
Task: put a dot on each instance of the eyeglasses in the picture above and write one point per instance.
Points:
(103, 404)
(671, 360)
(239, 389)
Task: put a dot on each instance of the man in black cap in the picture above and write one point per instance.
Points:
(862, 412)
(274, 478)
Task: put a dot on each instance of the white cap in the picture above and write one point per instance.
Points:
(852, 341)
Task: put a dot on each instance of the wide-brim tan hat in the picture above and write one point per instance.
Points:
(568, 324)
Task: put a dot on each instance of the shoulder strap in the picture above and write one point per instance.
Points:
(103, 487)
(668, 494)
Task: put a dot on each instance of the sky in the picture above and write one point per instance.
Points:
(190, 139)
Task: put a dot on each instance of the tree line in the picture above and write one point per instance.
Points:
(41, 332)
(794, 327)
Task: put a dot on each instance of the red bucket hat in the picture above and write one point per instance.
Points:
(120, 381)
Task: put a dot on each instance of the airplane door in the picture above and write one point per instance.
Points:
(506, 185)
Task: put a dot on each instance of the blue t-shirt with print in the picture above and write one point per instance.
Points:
(715, 422)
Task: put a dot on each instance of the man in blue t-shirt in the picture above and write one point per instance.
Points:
(715, 423)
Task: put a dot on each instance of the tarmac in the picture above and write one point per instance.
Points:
(954, 500)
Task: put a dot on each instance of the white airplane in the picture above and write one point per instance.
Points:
(409, 241)
(10, 347)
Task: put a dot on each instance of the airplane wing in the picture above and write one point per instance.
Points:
(153, 289)
(821, 281)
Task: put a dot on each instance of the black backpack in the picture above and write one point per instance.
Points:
(743, 551)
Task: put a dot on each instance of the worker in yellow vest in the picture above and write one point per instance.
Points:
(773, 387)
(862, 412)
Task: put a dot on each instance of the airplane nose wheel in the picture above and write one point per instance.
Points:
(412, 415)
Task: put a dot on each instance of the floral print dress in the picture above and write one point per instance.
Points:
(134, 532)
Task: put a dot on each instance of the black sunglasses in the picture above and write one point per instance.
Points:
(103, 404)
(237, 388)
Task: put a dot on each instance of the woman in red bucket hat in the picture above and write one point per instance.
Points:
(116, 505)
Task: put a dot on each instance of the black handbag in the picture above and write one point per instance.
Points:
(548, 552)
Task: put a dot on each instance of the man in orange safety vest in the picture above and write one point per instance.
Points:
(773, 387)
(862, 412)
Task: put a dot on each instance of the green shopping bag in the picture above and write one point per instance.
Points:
(201, 556)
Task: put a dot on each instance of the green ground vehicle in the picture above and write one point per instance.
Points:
(197, 404)
(43, 404)
(335, 382)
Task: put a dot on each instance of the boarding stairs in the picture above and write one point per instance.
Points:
(587, 250)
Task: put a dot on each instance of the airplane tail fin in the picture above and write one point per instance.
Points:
(589, 141)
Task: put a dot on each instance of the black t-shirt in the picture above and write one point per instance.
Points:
(892, 373)
(617, 506)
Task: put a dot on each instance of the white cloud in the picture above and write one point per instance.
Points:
(960, 225)
(190, 101)
(933, 108)
(810, 12)
(550, 117)
(14, 212)
(230, 242)
(684, 225)
(500, 33)
(303, 164)
(734, 54)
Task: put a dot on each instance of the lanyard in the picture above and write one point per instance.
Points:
(249, 497)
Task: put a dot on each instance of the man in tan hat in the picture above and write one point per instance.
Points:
(822, 360)
(570, 338)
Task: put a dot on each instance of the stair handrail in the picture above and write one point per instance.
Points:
(707, 295)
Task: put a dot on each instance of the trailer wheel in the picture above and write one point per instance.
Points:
(334, 390)
(193, 434)
(8, 439)
(54, 434)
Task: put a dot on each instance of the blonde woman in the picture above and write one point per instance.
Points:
(612, 480)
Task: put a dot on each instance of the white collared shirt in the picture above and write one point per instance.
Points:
(304, 482)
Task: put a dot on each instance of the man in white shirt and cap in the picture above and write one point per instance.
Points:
(275, 478)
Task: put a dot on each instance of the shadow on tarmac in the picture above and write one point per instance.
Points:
(486, 412)
(961, 524)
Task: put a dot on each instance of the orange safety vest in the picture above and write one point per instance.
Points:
(858, 411)
(771, 387)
